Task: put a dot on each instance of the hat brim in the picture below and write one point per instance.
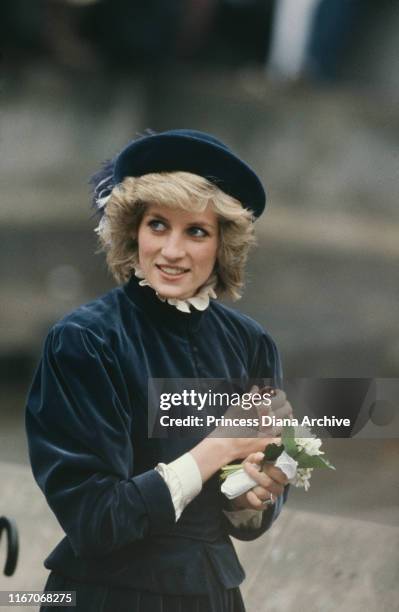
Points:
(171, 153)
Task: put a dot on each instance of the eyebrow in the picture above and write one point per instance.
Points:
(191, 224)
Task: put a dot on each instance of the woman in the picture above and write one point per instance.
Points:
(146, 525)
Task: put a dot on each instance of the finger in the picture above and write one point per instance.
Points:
(261, 493)
(255, 457)
(272, 431)
(272, 391)
(278, 400)
(258, 476)
(274, 489)
(264, 480)
(265, 494)
(254, 444)
(254, 501)
(265, 406)
(276, 404)
(284, 411)
(275, 474)
(272, 440)
(272, 423)
(267, 430)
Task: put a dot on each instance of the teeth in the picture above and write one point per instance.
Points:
(175, 271)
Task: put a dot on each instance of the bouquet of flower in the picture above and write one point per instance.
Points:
(297, 456)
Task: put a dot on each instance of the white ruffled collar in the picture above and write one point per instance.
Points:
(199, 301)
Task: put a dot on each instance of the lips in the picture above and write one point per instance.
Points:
(172, 270)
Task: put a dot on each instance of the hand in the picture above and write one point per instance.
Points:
(280, 408)
(270, 482)
(246, 440)
(222, 446)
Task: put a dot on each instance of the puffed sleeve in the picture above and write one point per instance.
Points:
(266, 366)
(78, 424)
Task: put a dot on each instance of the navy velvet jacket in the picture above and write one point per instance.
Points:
(86, 422)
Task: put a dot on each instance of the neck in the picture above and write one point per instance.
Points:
(200, 300)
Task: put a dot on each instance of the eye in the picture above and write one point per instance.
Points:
(157, 225)
(197, 232)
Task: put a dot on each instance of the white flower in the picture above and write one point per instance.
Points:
(310, 445)
(307, 442)
(302, 478)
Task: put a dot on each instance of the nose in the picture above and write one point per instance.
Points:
(173, 247)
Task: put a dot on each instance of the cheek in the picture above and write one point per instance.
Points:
(145, 244)
(208, 256)
(214, 251)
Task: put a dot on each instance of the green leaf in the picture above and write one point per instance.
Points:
(272, 452)
(228, 469)
(312, 461)
(288, 438)
(327, 463)
(288, 432)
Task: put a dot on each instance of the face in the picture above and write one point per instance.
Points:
(177, 249)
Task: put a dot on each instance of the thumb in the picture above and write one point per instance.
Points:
(254, 457)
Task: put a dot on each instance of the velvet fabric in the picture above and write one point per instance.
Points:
(186, 151)
(86, 422)
(103, 598)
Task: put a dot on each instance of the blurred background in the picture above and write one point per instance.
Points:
(307, 92)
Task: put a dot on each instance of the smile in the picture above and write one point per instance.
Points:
(172, 270)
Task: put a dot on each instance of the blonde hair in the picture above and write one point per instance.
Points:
(128, 202)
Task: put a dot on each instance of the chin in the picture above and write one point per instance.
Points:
(172, 293)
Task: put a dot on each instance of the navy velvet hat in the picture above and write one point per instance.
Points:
(183, 150)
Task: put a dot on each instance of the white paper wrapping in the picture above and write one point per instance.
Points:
(287, 464)
(240, 482)
(237, 483)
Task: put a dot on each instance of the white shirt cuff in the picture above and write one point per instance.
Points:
(183, 478)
